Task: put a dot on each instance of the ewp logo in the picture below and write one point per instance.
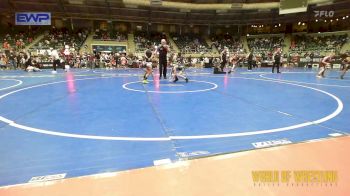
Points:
(327, 14)
(31, 18)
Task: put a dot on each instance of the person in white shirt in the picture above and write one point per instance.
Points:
(123, 60)
(206, 62)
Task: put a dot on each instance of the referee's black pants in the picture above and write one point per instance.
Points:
(55, 64)
(277, 65)
(250, 65)
(162, 68)
(222, 65)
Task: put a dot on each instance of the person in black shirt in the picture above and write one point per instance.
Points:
(312, 55)
(277, 63)
(97, 59)
(217, 67)
(163, 50)
(28, 60)
(250, 60)
(189, 61)
(12, 60)
(18, 59)
(223, 59)
(346, 64)
(210, 61)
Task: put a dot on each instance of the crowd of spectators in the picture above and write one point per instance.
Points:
(110, 35)
(17, 40)
(264, 44)
(190, 43)
(226, 40)
(13, 55)
(314, 43)
(60, 38)
(142, 40)
(23, 60)
(11, 59)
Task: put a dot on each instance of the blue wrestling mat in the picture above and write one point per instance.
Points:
(93, 121)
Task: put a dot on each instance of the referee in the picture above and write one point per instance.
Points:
(163, 50)
(277, 58)
(250, 60)
(223, 57)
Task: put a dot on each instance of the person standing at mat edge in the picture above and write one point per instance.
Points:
(163, 50)
(346, 65)
(250, 60)
(223, 59)
(277, 58)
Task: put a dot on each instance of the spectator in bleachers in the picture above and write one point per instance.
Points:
(6, 45)
(309, 43)
(142, 40)
(12, 60)
(59, 38)
(226, 40)
(110, 35)
(263, 44)
(17, 40)
(190, 43)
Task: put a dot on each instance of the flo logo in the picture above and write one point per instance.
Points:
(323, 13)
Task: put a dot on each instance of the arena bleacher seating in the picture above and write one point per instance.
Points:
(59, 38)
(109, 35)
(264, 44)
(190, 43)
(315, 43)
(226, 40)
(142, 39)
